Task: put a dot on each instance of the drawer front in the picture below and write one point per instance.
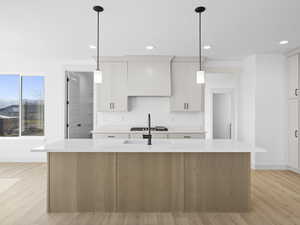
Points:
(159, 135)
(154, 135)
(187, 136)
(110, 135)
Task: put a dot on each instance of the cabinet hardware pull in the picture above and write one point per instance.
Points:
(186, 136)
(296, 91)
(230, 130)
(296, 133)
(110, 136)
(186, 105)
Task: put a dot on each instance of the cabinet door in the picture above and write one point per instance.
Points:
(293, 73)
(293, 152)
(179, 84)
(187, 95)
(149, 78)
(112, 93)
(186, 136)
(159, 136)
(111, 135)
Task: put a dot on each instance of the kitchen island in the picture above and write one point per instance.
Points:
(130, 176)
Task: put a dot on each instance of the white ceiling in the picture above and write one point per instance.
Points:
(65, 28)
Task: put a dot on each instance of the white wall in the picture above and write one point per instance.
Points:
(247, 101)
(263, 108)
(18, 149)
(246, 119)
(271, 115)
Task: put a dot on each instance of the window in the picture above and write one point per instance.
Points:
(21, 105)
(9, 105)
(32, 106)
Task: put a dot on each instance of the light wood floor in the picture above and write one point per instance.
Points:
(275, 200)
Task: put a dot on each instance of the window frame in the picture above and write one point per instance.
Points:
(20, 107)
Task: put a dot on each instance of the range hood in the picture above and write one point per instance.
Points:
(149, 75)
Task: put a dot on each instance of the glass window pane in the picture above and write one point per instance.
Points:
(32, 122)
(9, 105)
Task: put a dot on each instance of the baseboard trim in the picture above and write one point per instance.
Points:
(294, 169)
(23, 160)
(269, 167)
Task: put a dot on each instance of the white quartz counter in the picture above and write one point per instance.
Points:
(140, 145)
(126, 130)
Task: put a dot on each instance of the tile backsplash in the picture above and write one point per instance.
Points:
(159, 107)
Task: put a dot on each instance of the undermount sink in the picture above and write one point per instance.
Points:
(144, 142)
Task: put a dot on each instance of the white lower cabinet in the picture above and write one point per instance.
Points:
(186, 136)
(154, 135)
(293, 134)
(111, 135)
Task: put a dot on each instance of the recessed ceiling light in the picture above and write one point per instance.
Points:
(206, 47)
(283, 42)
(92, 46)
(149, 47)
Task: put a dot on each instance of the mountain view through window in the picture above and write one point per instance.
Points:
(27, 91)
(9, 105)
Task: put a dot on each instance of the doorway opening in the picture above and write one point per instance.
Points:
(79, 104)
(222, 115)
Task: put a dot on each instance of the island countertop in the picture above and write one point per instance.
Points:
(126, 130)
(140, 145)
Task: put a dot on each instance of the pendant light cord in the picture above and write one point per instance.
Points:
(98, 41)
(200, 67)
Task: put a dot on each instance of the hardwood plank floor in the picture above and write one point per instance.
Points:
(275, 201)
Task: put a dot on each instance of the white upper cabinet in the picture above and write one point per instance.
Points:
(293, 73)
(111, 95)
(149, 76)
(187, 95)
(293, 152)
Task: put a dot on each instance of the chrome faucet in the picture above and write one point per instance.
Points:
(148, 136)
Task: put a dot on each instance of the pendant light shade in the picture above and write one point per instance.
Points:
(200, 76)
(98, 77)
(98, 73)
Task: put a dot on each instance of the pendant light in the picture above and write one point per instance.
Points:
(200, 73)
(98, 73)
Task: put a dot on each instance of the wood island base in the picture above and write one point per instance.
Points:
(148, 182)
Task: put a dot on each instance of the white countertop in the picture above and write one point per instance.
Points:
(122, 130)
(140, 145)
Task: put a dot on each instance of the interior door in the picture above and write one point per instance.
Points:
(222, 116)
(293, 134)
(79, 104)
